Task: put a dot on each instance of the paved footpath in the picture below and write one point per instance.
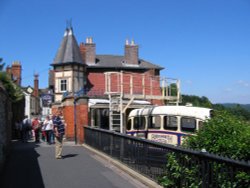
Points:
(32, 165)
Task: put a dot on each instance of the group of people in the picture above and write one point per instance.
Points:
(37, 128)
(50, 130)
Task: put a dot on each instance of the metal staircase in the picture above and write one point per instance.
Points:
(115, 113)
(123, 88)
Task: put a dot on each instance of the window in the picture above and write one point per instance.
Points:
(154, 122)
(139, 123)
(188, 124)
(170, 123)
(129, 124)
(63, 85)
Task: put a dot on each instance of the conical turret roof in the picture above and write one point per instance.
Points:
(68, 51)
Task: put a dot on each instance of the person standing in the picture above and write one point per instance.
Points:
(48, 127)
(26, 126)
(36, 128)
(59, 129)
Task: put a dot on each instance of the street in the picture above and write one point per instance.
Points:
(32, 165)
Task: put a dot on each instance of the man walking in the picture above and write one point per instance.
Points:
(59, 132)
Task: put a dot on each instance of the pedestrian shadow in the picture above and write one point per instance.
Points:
(22, 168)
(69, 155)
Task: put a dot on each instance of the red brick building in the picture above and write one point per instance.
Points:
(15, 72)
(112, 84)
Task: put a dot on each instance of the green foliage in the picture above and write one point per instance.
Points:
(235, 109)
(173, 90)
(170, 90)
(232, 105)
(12, 89)
(178, 174)
(196, 101)
(225, 135)
(1, 64)
(239, 111)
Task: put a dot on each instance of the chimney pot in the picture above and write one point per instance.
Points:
(90, 40)
(132, 42)
(127, 42)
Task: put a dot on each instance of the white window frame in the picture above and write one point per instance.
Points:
(61, 89)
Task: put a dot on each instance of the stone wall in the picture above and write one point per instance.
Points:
(5, 125)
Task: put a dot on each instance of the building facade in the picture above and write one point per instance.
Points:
(127, 79)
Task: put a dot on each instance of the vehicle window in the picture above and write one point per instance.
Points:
(139, 123)
(154, 122)
(129, 124)
(170, 123)
(188, 124)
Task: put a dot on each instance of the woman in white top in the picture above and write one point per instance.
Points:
(48, 127)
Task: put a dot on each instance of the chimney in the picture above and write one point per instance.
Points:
(36, 87)
(83, 50)
(131, 53)
(16, 72)
(90, 52)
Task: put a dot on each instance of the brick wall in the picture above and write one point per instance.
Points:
(82, 117)
(68, 114)
(96, 83)
(16, 72)
(151, 84)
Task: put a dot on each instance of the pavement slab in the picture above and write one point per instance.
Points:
(33, 165)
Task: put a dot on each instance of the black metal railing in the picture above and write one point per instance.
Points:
(149, 158)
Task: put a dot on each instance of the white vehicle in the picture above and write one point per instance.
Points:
(166, 124)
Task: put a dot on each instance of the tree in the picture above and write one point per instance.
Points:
(14, 91)
(239, 111)
(236, 110)
(196, 101)
(1, 64)
(225, 135)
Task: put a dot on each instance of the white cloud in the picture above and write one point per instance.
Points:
(243, 83)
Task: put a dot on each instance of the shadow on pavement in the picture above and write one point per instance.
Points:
(22, 168)
(69, 155)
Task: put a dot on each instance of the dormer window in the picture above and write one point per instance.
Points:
(63, 85)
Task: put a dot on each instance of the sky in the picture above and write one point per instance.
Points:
(203, 43)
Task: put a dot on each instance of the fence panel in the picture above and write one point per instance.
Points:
(150, 159)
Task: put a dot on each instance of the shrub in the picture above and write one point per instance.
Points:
(225, 135)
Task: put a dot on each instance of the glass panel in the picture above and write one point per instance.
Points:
(129, 124)
(139, 123)
(170, 123)
(154, 122)
(63, 85)
(188, 124)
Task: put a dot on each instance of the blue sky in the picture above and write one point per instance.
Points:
(204, 43)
